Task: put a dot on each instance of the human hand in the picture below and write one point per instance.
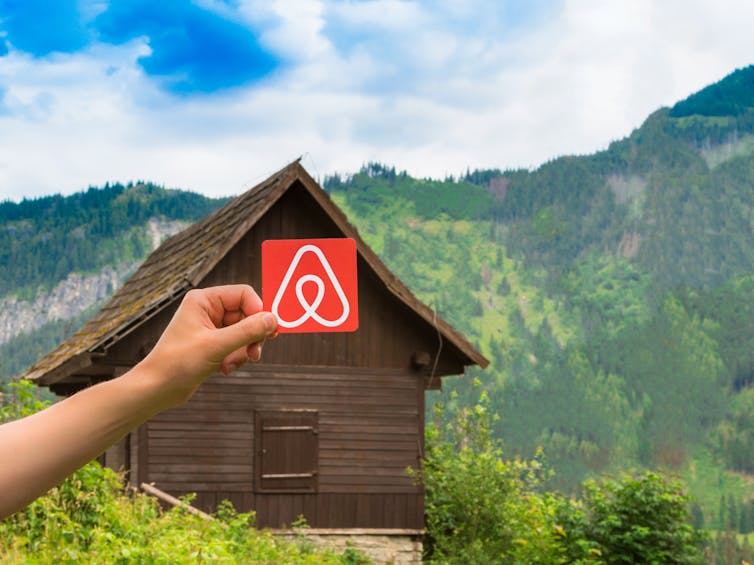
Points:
(214, 330)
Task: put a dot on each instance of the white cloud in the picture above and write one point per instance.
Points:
(430, 88)
(386, 15)
(293, 28)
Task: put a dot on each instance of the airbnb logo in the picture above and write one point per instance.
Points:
(312, 284)
(310, 309)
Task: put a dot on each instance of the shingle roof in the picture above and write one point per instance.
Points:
(182, 261)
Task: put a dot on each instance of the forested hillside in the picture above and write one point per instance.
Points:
(613, 293)
(44, 240)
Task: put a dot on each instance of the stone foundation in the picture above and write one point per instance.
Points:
(383, 546)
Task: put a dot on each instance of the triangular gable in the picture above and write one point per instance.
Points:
(182, 261)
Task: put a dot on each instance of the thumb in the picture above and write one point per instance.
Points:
(247, 331)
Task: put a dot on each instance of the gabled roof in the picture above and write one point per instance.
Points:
(182, 261)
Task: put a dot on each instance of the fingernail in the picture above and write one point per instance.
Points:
(270, 321)
(232, 367)
(256, 352)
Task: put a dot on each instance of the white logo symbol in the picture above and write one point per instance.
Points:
(310, 309)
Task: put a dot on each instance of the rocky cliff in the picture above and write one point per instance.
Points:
(76, 293)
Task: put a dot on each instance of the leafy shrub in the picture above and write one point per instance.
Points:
(90, 518)
(483, 509)
(642, 520)
(479, 507)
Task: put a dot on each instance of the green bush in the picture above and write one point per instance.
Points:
(91, 518)
(642, 520)
(481, 508)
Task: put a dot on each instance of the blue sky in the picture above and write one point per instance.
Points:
(213, 95)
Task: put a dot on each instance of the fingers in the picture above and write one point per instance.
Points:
(251, 330)
(240, 356)
(237, 297)
(227, 304)
(237, 327)
(233, 361)
(231, 318)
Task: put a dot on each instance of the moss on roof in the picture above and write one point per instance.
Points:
(181, 262)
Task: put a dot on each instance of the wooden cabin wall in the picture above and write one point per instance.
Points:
(369, 432)
(389, 332)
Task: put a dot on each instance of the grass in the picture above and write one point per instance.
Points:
(708, 482)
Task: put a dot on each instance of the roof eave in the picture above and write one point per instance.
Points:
(68, 367)
(281, 182)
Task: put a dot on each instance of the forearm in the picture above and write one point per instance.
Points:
(39, 451)
(213, 330)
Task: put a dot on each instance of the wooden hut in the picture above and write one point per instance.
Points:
(325, 425)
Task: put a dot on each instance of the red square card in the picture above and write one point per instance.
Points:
(311, 284)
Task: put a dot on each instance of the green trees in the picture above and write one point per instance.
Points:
(732, 96)
(736, 433)
(375, 185)
(481, 508)
(674, 364)
(44, 239)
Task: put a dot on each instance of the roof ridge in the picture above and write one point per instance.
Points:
(185, 259)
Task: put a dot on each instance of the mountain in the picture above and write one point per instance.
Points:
(613, 292)
(60, 257)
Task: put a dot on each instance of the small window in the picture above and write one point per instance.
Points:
(287, 451)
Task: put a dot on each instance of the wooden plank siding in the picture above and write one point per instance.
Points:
(401, 511)
(389, 333)
(369, 432)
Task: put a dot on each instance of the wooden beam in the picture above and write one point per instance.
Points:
(346, 531)
(165, 497)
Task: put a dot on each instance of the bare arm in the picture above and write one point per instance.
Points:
(214, 330)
